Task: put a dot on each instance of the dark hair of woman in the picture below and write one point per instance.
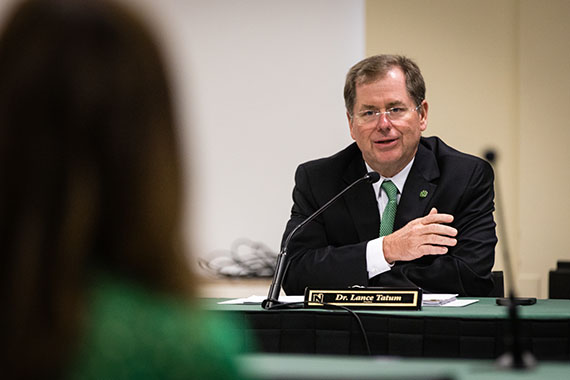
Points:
(89, 172)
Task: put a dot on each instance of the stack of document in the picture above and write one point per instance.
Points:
(431, 299)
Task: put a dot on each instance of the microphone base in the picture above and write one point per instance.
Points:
(508, 360)
(269, 303)
(518, 301)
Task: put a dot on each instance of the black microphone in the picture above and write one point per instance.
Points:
(282, 263)
(514, 357)
(490, 156)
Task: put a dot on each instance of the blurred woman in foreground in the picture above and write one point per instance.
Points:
(94, 281)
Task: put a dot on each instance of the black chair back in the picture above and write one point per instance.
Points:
(559, 281)
(499, 289)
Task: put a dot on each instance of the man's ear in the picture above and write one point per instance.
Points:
(423, 113)
(350, 124)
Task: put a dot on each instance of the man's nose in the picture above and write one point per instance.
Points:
(383, 121)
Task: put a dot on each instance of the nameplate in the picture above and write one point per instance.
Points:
(366, 298)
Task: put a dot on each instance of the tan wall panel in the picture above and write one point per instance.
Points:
(498, 74)
(467, 51)
(545, 135)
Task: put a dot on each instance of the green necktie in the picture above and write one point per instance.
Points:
(387, 223)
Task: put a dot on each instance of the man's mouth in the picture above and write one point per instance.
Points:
(384, 141)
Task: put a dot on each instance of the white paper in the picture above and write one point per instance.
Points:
(431, 299)
(458, 303)
(259, 299)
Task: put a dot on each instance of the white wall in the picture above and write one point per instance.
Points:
(260, 89)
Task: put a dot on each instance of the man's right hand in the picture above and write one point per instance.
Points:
(427, 235)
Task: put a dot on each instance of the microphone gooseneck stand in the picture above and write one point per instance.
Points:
(514, 357)
(282, 262)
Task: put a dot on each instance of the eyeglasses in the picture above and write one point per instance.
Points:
(393, 114)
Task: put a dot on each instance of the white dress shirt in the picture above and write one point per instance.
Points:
(375, 261)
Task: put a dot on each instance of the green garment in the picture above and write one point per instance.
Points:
(133, 334)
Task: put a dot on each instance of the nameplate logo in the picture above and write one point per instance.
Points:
(366, 298)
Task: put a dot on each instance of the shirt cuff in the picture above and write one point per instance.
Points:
(375, 261)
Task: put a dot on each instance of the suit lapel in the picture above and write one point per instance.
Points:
(361, 201)
(418, 189)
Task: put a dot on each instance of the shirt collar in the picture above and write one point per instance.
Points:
(399, 179)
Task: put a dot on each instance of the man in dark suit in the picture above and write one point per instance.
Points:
(442, 238)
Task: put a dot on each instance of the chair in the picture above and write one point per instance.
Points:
(559, 281)
(499, 288)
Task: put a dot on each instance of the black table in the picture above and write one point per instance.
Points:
(474, 331)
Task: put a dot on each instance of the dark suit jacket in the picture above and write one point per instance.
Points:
(330, 252)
